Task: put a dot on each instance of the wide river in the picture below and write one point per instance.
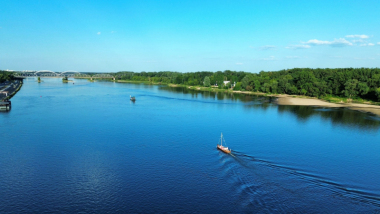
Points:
(85, 147)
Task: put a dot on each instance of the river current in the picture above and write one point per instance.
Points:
(85, 147)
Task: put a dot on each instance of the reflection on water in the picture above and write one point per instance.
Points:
(249, 100)
(88, 148)
(338, 116)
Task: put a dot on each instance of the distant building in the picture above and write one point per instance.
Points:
(226, 82)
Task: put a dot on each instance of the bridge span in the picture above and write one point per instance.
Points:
(70, 73)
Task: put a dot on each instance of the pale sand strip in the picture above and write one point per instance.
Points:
(283, 99)
(286, 100)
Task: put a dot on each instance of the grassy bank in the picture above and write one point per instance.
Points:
(336, 99)
(327, 98)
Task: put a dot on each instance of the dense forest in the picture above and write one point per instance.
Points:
(192, 79)
(341, 82)
(5, 75)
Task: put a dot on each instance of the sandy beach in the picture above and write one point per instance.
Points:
(284, 99)
(288, 100)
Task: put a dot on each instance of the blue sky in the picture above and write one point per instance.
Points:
(187, 36)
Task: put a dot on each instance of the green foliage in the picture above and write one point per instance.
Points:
(359, 83)
(363, 88)
(228, 85)
(206, 82)
(246, 80)
(350, 88)
(377, 91)
(237, 86)
(6, 76)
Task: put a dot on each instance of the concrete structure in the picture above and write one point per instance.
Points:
(5, 106)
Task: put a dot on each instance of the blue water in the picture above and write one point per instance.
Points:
(85, 147)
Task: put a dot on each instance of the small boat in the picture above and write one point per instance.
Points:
(221, 147)
(132, 98)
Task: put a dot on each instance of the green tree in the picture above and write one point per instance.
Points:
(246, 80)
(237, 86)
(206, 81)
(350, 88)
(273, 86)
(257, 85)
(266, 88)
(363, 88)
(377, 91)
(303, 91)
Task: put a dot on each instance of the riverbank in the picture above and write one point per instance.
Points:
(289, 100)
(10, 90)
(284, 99)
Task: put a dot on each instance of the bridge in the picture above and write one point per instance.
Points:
(75, 74)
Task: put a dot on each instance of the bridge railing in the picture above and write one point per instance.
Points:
(63, 74)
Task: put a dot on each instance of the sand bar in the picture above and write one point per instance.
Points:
(288, 100)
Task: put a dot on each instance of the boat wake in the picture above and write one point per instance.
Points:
(269, 187)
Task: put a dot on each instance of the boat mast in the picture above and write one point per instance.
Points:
(221, 138)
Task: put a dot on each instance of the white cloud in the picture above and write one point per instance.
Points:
(358, 41)
(292, 57)
(298, 46)
(369, 44)
(113, 31)
(340, 42)
(98, 33)
(239, 63)
(358, 36)
(267, 47)
(378, 43)
(317, 42)
(336, 43)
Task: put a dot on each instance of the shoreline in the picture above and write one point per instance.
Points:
(20, 83)
(295, 101)
(283, 99)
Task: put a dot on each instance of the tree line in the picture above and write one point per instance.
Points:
(191, 78)
(342, 82)
(6, 76)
